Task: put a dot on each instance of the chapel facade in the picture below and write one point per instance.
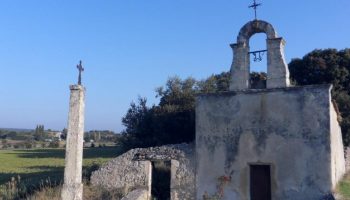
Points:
(279, 142)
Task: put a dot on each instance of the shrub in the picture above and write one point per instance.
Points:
(14, 189)
(87, 171)
(54, 144)
(28, 145)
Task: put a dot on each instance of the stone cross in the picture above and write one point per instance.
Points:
(255, 6)
(73, 187)
(81, 69)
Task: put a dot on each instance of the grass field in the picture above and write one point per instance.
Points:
(37, 165)
(33, 165)
(343, 187)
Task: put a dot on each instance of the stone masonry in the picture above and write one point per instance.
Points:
(132, 170)
(277, 69)
(73, 187)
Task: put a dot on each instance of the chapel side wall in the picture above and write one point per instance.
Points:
(285, 128)
(337, 149)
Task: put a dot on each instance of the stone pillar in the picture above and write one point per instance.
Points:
(277, 68)
(148, 168)
(175, 183)
(73, 187)
(240, 67)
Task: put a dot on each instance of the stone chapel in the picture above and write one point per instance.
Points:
(281, 142)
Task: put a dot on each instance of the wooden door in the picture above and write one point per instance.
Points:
(260, 182)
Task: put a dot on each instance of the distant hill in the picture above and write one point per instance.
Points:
(17, 129)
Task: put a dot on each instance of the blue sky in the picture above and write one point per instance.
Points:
(130, 47)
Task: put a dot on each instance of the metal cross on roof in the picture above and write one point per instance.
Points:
(81, 69)
(254, 6)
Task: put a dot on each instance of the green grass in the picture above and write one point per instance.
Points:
(34, 165)
(344, 187)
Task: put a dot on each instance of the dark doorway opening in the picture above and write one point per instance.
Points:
(260, 182)
(161, 174)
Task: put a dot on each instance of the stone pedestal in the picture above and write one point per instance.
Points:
(73, 187)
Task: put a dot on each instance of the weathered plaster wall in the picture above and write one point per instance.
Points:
(132, 170)
(337, 149)
(288, 128)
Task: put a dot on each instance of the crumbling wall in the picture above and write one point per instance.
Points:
(132, 170)
(137, 194)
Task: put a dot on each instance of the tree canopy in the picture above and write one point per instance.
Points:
(327, 66)
(173, 119)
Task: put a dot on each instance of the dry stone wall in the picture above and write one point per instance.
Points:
(138, 194)
(132, 170)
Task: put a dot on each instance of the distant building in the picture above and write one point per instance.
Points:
(55, 135)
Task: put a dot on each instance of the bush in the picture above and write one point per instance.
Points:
(28, 145)
(54, 144)
(87, 171)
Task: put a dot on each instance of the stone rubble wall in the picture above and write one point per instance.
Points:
(130, 170)
(138, 194)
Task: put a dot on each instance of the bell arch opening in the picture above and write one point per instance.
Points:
(258, 61)
(276, 68)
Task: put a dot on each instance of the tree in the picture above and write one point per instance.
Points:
(138, 132)
(64, 134)
(173, 119)
(39, 133)
(328, 66)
